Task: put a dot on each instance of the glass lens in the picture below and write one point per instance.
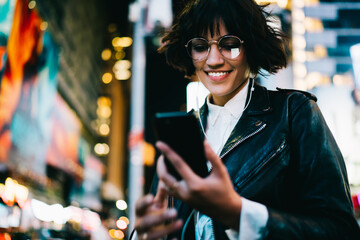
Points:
(230, 47)
(198, 48)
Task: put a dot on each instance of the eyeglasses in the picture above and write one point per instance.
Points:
(229, 46)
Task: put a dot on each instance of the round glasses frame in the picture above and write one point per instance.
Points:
(187, 45)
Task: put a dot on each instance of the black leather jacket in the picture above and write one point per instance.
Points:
(282, 154)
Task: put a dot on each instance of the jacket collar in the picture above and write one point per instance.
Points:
(260, 103)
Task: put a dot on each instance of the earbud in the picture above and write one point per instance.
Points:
(252, 84)
(251, 91)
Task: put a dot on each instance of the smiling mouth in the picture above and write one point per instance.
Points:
(217, 74)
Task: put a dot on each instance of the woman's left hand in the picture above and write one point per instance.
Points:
(213, 195)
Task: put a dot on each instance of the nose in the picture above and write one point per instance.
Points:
(214, 57)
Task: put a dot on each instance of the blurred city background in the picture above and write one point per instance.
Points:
(80, 82)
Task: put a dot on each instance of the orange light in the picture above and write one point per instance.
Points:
(119, 234)
(122, 42)
(12, 191)
(112, 233)
(106, 54)
(5, 236)
(107, 78)
(125, 41)
(149, 154)
(125, 219)
(43, 26)
(104, 101)
(121, 224)
(119, 55)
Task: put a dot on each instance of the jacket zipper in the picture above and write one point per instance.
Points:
(243, 139)
(237, 143)
(212, 228)
(264, 163)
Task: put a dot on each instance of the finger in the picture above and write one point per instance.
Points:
(163, 173)
(142, 204)
(181, 167)
(161, 195)
(148, 222)
(172, 186)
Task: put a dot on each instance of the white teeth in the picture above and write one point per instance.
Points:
(217, 74)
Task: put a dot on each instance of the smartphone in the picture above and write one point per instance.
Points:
(182, 132)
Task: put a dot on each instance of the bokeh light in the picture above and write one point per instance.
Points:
(121, 224)
(104, 129)
(32, 4)
(106, 54)
(101, 149)
(107, 78)
(119, 234)
(125, 219)
(121, 204)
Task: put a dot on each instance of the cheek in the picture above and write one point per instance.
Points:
(243, 69)
(197, 66)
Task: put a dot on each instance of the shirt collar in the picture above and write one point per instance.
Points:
(235, 105)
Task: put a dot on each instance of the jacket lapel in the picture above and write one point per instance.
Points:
(245, 128)
(250, 122)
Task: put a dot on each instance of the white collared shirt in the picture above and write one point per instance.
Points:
(221, 122)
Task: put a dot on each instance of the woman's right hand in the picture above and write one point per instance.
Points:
(153, 216)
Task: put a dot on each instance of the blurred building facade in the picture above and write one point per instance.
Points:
(323, 33)
(58, 177)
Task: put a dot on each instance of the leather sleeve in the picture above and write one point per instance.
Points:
(324, 208)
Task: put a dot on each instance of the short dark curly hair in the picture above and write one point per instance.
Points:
(264, 45)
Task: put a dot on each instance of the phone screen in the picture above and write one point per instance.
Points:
(181, 131)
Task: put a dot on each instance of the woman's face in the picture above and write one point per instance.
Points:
(223, 77)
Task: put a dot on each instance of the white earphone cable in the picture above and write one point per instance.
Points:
(198, 108)
(251, 91)
(197, 101)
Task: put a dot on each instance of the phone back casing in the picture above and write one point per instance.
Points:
(181, 131)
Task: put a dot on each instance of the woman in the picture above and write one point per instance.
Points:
(276, 171)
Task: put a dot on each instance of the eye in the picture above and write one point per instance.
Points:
(199, 45)
(229, 43)
(199, 48)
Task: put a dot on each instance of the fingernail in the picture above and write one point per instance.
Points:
(162, 185)
(157, 143)
(149, 198)
(171, 212)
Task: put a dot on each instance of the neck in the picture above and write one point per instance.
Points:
(222, 100)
